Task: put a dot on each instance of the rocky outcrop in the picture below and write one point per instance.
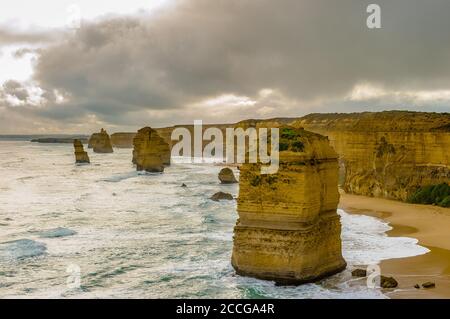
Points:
(122, 140)
(359, 273)
(151, 153)
(387, 154)
(388, 282)
(226, 176)
(288, 229)
(100, 142)
(81, 157)
(221, 196)
(429, 285)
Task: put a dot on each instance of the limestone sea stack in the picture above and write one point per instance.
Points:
(288, 229)
(151, 153)
(81, 157)
(100, 142)
(226, 176)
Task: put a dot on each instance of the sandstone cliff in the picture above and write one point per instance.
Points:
(122, 140)
(81, 156)
(100, 142)
(387, 154)
(288, 229)
(151, 153)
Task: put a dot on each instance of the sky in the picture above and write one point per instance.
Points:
(75, 66)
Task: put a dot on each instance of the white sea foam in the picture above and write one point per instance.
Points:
(365, 241)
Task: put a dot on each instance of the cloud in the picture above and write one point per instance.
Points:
(15, 89)
(311, 53)
(9, 37)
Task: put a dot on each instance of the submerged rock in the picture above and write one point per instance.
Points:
(20, 249)
(226, 176)
(57, 232)
(288, 229)
(100, 142)
(81, 156)
(151, 153)
(221, 196)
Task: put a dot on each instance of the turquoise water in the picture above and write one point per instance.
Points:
(138, 235)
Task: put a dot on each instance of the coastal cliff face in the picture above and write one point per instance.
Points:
(100, 142)
(288, 229)
(81, 157)
(387, 154)
(151, 153)
(122, 140)
(383, 154)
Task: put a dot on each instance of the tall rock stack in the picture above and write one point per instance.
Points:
(100, 142)
(81, 157)
(151, 153)
(288, 230)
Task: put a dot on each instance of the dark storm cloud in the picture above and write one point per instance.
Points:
(308, 50)
(15, 89)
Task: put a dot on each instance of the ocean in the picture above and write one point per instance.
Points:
(106, 231)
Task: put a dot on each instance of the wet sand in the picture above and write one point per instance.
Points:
(430, 225)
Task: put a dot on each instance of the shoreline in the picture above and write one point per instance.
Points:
(429, 225)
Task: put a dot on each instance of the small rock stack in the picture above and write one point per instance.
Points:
(81, 157)
(151, 153)
(226, 176)
(100, 142)
(288, 229)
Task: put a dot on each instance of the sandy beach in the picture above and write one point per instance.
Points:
(430, 225)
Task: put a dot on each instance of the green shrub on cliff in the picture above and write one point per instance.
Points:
(432, 194)
(445, 202)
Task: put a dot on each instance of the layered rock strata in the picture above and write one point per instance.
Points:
(151, 153)
(81, 157)
(288, 230)
(100, 142)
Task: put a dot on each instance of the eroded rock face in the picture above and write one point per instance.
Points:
(387, 154)
(81, 157)
(288, 230)
(100, 142)
(226, 176)
(150, 152)
(122, 140)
